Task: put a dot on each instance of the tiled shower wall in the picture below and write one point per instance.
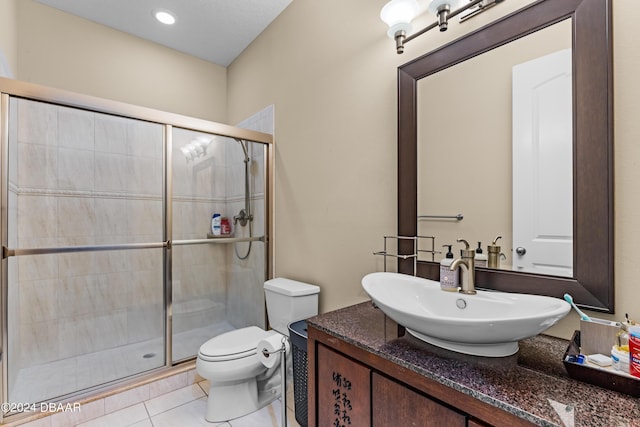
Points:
(199, 272)
(246, 279)
(210, 283)
(197, 297)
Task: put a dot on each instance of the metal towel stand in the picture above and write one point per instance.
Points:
(416, 250)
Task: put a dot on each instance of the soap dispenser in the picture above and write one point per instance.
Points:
(494, 253)
(480, 258)
(448, 279)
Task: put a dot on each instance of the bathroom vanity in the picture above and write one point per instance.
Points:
(362, 373)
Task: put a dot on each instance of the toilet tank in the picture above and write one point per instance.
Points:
(288, 301)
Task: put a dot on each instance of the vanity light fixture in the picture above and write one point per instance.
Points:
(442, 10)
(164, 16)
(398, 14)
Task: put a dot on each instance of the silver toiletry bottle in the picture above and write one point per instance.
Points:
(494, 253)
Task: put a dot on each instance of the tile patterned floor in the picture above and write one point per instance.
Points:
(186, 407)
(180, 407)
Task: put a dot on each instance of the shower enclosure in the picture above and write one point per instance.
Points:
(109, 267)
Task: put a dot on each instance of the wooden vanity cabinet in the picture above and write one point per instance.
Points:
(396, 404)
(343, 390)
(349, 386)
(352, 394)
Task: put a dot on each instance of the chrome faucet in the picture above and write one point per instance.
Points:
(467, 262)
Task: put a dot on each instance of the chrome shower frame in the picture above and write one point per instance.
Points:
(15, 88)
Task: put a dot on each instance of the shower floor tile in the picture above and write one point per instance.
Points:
(54, 379)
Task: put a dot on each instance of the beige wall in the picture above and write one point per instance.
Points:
(9, 33)
(333, 81)
(60, 50)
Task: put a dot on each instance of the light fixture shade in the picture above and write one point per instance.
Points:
(397, 14)
(436, 4)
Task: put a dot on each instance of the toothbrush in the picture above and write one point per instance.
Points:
(569, 299)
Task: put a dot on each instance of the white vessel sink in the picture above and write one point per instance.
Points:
(485, 324)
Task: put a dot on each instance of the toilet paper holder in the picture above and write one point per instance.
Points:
(283, 374)
(283, 349)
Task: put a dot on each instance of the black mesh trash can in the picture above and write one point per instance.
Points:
(298, 336)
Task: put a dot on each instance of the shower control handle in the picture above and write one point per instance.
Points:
(242, 217)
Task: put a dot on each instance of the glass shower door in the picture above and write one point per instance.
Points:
(86, 260)
(217, 280)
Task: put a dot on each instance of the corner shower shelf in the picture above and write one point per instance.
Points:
(219, 236)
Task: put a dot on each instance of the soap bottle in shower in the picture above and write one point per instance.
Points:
(225, 226)
(215, 224)
(449, 280)
(480, 258)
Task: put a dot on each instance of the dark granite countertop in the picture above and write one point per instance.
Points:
(532, 384)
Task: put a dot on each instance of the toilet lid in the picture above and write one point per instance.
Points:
(233, 345)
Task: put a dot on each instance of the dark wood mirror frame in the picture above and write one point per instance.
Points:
(592, 286)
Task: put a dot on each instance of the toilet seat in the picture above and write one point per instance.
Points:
(233, 345)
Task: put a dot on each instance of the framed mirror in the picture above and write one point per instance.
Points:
(590, 280)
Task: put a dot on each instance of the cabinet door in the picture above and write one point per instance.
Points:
(343, 391)
(396, 405)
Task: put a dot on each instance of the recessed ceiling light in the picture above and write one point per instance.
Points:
(164, 16)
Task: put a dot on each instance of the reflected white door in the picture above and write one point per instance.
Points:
(543, 165)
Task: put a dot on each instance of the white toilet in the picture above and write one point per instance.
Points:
(239, 382)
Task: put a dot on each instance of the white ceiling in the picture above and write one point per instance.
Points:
(214, 30)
